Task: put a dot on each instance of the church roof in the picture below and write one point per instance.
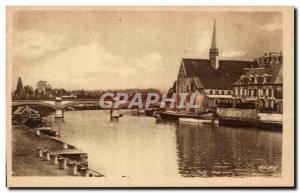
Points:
(208, 77)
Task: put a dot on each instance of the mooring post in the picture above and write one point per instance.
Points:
(47, 156)
(65, 146)
(73, 169)
(37, 132)
(62, 163)
(40, 152)
(85, 172)
(55, 159)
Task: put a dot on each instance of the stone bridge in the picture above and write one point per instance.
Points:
(59, 105)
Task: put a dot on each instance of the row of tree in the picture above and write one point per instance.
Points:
(45, 91)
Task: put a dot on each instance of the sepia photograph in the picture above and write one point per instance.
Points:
(150, 96)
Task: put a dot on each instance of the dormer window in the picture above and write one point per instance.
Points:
(251, 79)
(266, 78)
(255, 79)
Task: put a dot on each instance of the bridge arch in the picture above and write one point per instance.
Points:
(152, 105)
(94, 102)
(16, 104)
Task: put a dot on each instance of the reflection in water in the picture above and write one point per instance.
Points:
(137, 146)
(220, 151)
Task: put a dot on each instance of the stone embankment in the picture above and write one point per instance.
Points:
(37, 154)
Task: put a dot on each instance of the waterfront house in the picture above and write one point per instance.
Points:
(262, 86)
(211, 79)
(24, 113)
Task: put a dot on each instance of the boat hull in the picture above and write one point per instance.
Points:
(176, 116)
(197, 121)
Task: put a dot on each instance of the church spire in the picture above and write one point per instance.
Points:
(214, 38)
(214, 52)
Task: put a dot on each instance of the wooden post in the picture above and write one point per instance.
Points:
(37, 132)
(47, 156)
(62, 163)
(84, 171)
(40, 152)
(65, 146)
(73, 169)
(87, 172)
(55, 159)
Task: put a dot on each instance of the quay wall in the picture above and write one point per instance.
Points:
(51, 149)
(270, 117)
(249, 118)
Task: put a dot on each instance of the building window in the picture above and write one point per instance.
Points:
(270, 92)
(255, 92)
(278, 93)
(217, 92)
(236, 91)
(266, 104)
(216, 102)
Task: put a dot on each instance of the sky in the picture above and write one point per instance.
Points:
(117, 49)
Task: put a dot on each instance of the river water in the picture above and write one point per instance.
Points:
(139, 145)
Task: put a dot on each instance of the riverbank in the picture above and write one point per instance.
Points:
(25, 160)
(54, 157)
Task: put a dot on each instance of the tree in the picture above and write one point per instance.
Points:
(19, 86)
(28, 90)
(19, 91)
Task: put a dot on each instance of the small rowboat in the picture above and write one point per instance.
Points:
(114, 116)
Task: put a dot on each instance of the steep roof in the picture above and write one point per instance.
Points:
(22, 109)
(275, 72)
(222, 78)
(214, 38)
(279, 79)
(19, 110)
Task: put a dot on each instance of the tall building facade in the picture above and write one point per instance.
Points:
(262, 86)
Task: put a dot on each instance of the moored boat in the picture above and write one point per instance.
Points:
(198, 121)
(175, 115)
(114, 116)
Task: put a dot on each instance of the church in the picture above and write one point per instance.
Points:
(211, 79)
